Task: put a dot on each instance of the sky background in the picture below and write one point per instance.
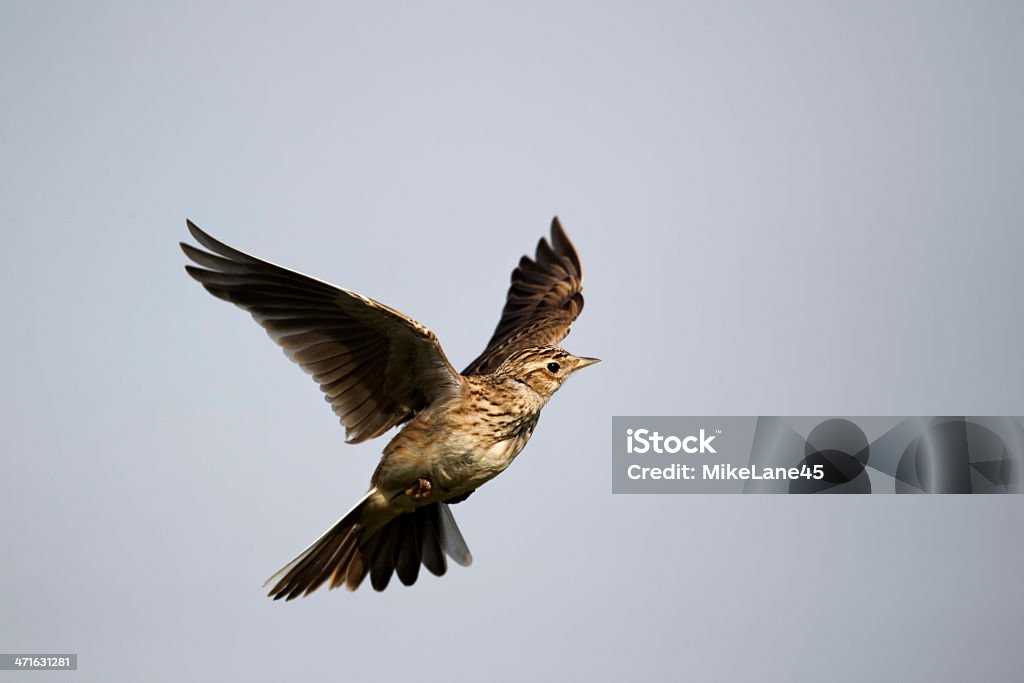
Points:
(785, 208)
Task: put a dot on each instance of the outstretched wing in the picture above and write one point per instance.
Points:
(545, 297)
(376, 366)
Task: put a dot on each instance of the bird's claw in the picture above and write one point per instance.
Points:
(420, 490)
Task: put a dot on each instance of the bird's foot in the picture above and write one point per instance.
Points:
(420, 490)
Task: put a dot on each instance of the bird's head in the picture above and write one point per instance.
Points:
(542, 368)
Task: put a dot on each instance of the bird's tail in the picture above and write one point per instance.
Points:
(357, 545)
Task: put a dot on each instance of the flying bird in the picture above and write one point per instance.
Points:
(379, 369)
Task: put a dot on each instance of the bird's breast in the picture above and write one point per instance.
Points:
(457, 456)
(474, 458)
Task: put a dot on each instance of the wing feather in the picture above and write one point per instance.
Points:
(376, 366)
(543, 300)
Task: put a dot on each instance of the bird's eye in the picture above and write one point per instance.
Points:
(553, 368)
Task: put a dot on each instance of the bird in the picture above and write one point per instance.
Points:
(380, 369)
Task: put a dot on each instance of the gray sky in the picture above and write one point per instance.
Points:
(797, 208)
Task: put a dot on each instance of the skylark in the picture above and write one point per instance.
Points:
(378, 369)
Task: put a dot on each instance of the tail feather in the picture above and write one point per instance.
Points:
(382, 563)
(431, 548)
(407, 562)
(354, 574)
(356, 547)
(333, 565)
(323, 558)
(451, 538)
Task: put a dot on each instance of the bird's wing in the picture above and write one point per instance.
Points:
(376, 366)
(545, 297)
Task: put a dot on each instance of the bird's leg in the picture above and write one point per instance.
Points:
(420, 490)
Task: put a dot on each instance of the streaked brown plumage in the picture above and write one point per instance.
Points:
(378, 369)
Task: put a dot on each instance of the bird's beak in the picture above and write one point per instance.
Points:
(584, 362)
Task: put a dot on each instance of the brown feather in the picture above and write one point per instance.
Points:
(376, 366)
(431, 547)
(544, 299)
